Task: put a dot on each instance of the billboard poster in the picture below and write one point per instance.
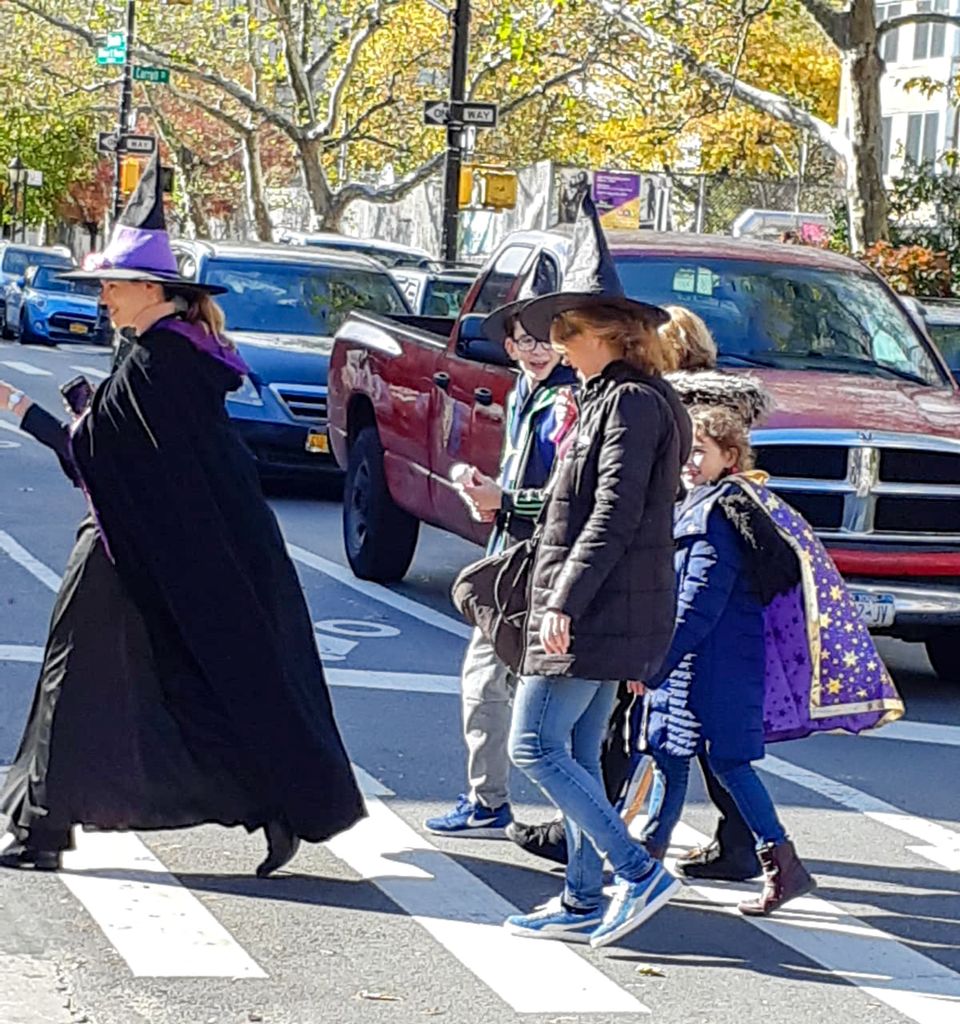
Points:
(570, 184)
(617, 195)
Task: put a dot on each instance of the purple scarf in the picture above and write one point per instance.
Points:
(205, 342)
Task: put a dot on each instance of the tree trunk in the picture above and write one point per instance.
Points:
(862, 70)
(316, 183)
(258, 213)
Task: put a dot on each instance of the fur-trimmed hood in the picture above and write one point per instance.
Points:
(741, 392)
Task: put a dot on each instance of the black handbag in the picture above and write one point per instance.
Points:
(493, 595)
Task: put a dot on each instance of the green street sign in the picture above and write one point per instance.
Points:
(160, 76)
(111, 55)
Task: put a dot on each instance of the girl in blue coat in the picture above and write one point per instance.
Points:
(709, 693)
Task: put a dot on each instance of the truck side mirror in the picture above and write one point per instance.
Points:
(473, 344)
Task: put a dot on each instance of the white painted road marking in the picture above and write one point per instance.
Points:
(26, 368)
(4, 425)
(21, 652)
(943, 844)
(92, 371)
(375, 592)
(159, 928)
(885, 969)
(33, 566)
(466, 916)
(917, 732)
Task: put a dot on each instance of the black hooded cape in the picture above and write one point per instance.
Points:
(181, 682)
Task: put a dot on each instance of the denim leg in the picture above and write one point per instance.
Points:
(558, 729)
(668, 792)
(750, 795)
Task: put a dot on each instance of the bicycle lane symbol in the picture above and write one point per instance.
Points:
(336, 638)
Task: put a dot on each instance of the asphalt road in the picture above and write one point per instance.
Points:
(388, 924)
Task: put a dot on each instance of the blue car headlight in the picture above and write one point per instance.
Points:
(246, 394)
(39, 302)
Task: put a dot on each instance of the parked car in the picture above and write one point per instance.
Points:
(436, 290)
(942, 320)
(15, 259)
(48, 311)
(283, 307)
(864, 440)
(390, 254)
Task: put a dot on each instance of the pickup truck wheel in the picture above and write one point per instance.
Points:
(943, 651)
(379, 537)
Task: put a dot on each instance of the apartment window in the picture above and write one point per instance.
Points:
(886, 132)
(930, 40)
(922, 132)
(889, 41)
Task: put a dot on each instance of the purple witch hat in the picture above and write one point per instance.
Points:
(139, 249)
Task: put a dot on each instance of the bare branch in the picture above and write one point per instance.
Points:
(834, 24)
(928, 18)
(233, 123)
(388, 193)
(760, 99)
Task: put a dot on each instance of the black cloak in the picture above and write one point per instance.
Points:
(181, 682)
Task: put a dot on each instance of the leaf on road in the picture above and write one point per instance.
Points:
(380, 997)
(649, 971)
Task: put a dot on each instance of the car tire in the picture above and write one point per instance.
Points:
(379, 537)
(25, 336)
(5, 333)
(943, 650)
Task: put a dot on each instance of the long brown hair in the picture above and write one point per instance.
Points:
(690, 338)
(200, 308)
(625, 330)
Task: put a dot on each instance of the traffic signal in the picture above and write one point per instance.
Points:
(129, 174)
(465, 196)
(487, 187)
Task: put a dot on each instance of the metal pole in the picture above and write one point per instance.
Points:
(458, 93)
(15, 212)
(126, 102)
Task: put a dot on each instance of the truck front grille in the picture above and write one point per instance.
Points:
(875, 486)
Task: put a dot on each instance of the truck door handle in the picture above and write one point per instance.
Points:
(442, 380)
(484, 396)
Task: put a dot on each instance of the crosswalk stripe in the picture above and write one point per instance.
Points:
(886, 970)
(4, 425)
(159, 928)
(917, 732)
(92, 371)
(466, 916)
(943, 844)
(26, 368)
(33, 565)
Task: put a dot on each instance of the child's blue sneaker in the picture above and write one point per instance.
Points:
(633, 903)
(470, 819)
(554, 921)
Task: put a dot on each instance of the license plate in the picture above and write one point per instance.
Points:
(317, 441)
(877, 610)
(79, 328)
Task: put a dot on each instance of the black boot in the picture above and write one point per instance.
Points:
(20, 856)
(282, 846)
(720, 863)
(548, 840)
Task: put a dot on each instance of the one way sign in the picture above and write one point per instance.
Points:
(440, 113)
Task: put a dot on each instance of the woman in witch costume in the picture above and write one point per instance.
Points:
(181, 683)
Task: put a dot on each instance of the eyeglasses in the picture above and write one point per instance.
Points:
(527, 343)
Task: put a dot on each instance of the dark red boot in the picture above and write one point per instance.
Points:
(784, 878)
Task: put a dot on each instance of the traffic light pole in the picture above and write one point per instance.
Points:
(126, 103)
(455, 131)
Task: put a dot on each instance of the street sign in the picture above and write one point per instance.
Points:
(141, 145)
(436, 113)
(440, 113)
(115, 49)
(35, 179)
(106, 142)
(160, 76)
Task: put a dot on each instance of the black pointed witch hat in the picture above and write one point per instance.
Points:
(538, 282)
(139, 249)
(590, 280)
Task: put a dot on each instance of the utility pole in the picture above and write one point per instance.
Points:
(126, 102)
(455, 131)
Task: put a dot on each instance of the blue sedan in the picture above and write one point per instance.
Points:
(52, 311)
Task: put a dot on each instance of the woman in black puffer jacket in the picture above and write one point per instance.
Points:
(602, 599)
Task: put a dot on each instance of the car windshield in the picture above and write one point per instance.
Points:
(787, 316)
(294, 298)
(46, 280)
(16, 261)
(388, 257)
(444, 298)
(947, 337)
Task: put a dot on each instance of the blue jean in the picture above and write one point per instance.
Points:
(739, 778)
(557, 733)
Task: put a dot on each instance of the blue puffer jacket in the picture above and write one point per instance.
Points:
(709, 690)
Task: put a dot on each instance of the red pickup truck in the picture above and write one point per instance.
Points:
(864, 439)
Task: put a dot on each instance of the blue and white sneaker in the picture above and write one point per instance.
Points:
(633, 903)
(471, 819)
(554, 921)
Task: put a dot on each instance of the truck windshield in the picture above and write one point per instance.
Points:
(298, 298)
(786, 316)
(947, 337)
